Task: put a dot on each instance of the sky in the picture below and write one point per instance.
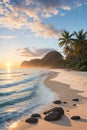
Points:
(31, 28)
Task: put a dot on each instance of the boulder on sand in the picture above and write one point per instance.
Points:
(31, 120)
(75, 99)
(53, 116)
(36, 115)
(55, 109)
(75, 117)
(57, 102)
(58, 109)
(46, 112)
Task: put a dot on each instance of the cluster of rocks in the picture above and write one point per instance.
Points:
(33, 118)
(53, 114)
(60, 102)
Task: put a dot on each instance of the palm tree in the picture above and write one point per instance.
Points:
(80, 44)
(66, 42)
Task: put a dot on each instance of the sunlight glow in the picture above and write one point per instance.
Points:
(9, 65)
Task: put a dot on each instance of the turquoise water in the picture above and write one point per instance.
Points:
(22, 91)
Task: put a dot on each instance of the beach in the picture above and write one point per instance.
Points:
(67, 85)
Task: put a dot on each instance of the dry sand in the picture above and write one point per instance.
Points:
(68, 85)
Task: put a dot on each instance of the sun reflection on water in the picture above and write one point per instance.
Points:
(8, 73)
(8, 70)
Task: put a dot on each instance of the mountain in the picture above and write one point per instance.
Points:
(51, 59)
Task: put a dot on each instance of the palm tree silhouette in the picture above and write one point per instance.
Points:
(80, 44)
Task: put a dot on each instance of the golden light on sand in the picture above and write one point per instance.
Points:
(14, 125)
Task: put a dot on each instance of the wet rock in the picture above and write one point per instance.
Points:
(75, 117)
(36, 115)
(57, 102)
(53, 116)
(58, 109)
(75, 99)
(31, 120)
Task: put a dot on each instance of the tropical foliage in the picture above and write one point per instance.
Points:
(75, 49)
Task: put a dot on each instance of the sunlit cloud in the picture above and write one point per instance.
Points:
(7, 37)
(17, 14)
(67, 8)
(1, 11)
(62, 14)
(41, 29)
(36, 52)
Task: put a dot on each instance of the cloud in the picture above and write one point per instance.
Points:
(67, 8)
(1, 11)
(7, 37)
(27, 52)
(62, 14)
(46, 30)
(30, 14)
(80, 3)
(13, 22)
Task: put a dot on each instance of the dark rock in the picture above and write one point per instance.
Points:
(32, 120)
(75, 99)
(57, 102)
(65, 102)
(75, 117)
(55, 109)
(36, 115)
(46, 112)
(74, 104)
(53, 116)
(67, 110)
(58, 109)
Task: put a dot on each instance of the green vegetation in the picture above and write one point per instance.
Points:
(75, 50)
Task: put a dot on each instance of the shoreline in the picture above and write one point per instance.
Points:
(65, 92)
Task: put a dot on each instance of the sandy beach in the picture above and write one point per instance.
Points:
(67, 85)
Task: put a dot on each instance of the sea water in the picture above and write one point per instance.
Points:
(22, 91)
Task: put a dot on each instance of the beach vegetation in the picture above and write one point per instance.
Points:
(75, 49)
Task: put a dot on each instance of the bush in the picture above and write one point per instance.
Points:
(82, 65)
(83, 68)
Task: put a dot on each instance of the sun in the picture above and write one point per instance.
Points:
(9, 65)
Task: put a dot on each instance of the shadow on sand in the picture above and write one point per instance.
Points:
(63, 122)
(83, 120)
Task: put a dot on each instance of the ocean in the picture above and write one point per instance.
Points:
(22, 92)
